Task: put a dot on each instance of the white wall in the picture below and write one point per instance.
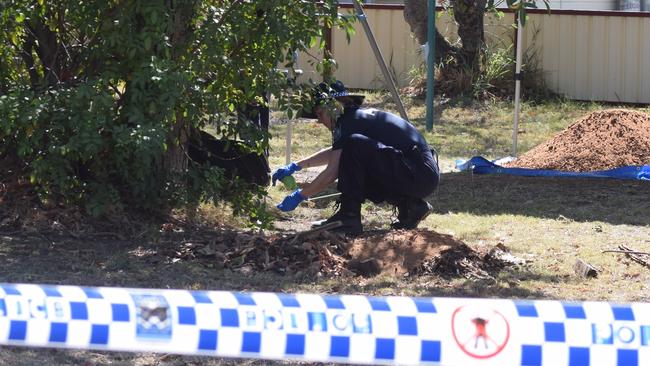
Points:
(580, 4)
(594, 56)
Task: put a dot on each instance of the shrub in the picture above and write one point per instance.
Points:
(97, 99)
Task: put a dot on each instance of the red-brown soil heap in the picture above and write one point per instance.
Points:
(396, 253)
(602, 140)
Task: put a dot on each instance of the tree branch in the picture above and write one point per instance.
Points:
(225, 13)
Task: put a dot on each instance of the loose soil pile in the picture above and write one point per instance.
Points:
(602, 140)
(398, 253)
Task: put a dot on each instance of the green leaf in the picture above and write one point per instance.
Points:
(289, 183)
(126, 88)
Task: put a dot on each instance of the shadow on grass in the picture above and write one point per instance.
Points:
(55, 259)
(470, 139)
(504, 285)
(607, 200)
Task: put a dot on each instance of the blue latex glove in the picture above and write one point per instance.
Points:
(290, 202)
(285, 171)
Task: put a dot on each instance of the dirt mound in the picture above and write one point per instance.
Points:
(599, 141)
(398, 253)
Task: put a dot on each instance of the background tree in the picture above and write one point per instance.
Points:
(97, 98)
(464, 60)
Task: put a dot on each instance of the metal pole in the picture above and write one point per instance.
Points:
(380, 59)
(287, 150)
(431, 43)
(292, 76)
(518, 78)
(324, 196)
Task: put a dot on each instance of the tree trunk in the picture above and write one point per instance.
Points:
(43, 41)
(469, 14)
(460, 67)
(415, 14)
(28, 46)
(176, 160)
(59, 60)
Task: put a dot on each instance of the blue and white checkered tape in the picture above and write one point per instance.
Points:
(346, 328)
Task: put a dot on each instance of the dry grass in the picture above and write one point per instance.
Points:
(551, 222)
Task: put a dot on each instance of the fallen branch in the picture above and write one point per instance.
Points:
(632, 254)
(625, 251)
(308, 233)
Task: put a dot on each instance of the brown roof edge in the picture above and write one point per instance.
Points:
(605, 13)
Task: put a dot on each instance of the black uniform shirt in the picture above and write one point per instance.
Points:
(384, 127)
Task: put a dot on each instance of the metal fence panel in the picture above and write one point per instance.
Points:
(584, 55)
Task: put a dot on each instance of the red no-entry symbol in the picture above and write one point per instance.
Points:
(480, 332)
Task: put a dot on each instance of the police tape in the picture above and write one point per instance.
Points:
(347, 328)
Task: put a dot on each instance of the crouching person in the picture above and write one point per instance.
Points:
(375, 155)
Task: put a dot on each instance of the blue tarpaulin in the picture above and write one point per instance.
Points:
(480, 165)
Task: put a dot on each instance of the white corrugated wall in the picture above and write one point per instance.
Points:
(585, 57)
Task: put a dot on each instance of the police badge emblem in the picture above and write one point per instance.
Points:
(153, 317)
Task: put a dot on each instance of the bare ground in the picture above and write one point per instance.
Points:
(64, 247)
(46, 245)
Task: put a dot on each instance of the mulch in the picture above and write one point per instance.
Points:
(602, 140)
(397, 253)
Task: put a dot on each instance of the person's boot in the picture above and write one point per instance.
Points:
(349, 214)
(410, 212)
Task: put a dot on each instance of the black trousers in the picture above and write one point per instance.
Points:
(371, 170)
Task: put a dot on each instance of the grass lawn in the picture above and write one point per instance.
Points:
(549, 221)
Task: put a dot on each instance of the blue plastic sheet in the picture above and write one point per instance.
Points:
(480, 165)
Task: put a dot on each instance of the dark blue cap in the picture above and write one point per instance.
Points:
(323, 92)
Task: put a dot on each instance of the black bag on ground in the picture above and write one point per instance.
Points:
(233, 156)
